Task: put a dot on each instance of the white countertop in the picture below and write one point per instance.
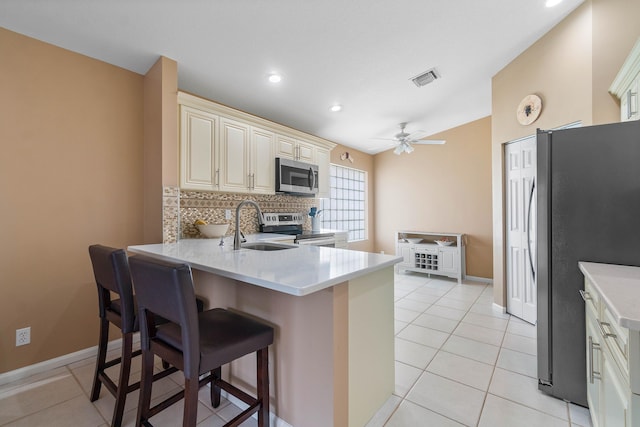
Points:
(298, 271)
(619, 286)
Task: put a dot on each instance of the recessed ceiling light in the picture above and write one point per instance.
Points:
(275, 78)
(551, 3)
(336, 107)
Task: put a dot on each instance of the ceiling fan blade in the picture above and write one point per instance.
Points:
(429, 141)
(419, 134)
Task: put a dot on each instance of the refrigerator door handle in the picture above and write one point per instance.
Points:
(531, 194)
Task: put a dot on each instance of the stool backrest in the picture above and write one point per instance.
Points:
(166, 289)
(111, 271)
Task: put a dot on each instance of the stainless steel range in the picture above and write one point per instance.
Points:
(291, 224)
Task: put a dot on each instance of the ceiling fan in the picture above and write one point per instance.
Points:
(405, 140)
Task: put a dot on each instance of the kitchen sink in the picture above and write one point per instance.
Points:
(267, 246)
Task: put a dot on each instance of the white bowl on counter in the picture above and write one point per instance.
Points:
(213, 230)
(444, 242)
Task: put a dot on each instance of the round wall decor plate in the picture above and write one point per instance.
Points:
(529, 109)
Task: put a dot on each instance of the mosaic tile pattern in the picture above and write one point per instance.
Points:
(170, 214)
(211, 206)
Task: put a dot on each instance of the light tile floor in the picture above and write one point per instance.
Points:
(458, 362)
(461, 362)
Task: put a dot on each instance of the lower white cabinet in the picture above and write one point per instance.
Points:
(420, 253)
(613, 364)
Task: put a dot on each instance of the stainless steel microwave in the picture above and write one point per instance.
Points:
(298, 178)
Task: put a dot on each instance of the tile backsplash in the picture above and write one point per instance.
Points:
(211, 206)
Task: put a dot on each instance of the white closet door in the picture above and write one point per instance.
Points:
(520, 165)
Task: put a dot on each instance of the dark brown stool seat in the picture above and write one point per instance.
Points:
(196, 343)
(111, 271)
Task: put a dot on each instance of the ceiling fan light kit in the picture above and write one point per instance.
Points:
(405, 140)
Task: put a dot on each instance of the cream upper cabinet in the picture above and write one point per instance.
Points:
(291, 148)
(222, 149)
(234, 156)
(262, 164)
(246, 158)
(198, 149)
(626, 85)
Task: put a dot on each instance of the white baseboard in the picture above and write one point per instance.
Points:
(499, 307)
(92, 352)
(58, 362)
(479, 279)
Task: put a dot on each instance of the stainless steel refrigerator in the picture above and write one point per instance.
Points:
(588, 209)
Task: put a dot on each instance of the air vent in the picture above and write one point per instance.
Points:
(425, 78)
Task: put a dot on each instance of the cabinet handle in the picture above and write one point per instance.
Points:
(253, 181)
(217, 178)
(585, 295)
(631, 102)
(605, 333)
(593, 374)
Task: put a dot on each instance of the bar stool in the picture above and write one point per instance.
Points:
(111, 271)
(195, 343)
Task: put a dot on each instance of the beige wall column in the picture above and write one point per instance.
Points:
(160, 143)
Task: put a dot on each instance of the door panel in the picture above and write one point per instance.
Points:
(520, 174)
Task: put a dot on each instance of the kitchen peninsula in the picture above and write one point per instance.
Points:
(332, 362)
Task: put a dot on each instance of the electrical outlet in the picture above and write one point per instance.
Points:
(227, 214)
(23, 336)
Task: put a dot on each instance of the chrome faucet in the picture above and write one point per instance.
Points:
(236, 236)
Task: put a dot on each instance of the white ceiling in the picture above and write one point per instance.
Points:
(358, 53)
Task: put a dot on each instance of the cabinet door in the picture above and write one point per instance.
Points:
(323, 160)
(305, 152)
(448, 260)
(629, 102)
(234, 155)
(594, 368)
(262, 161)
(614, 397)
(285, 147)
(407, 252)
(198, 149)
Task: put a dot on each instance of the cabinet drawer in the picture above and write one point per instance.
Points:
(591, 298)
(424, 249)
(616, 338)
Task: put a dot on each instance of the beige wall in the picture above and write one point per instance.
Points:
(70, 176)
(363, 162)
(571, 69)
(440, 188)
